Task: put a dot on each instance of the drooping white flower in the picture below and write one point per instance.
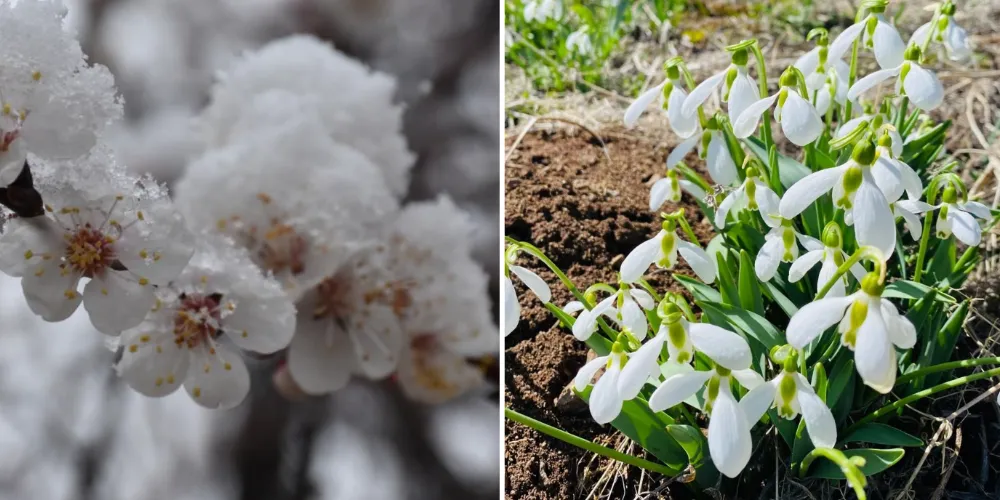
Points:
(869, 325)
(954, 217)
(753, 194)
(892, 175)
(910, 211)
(625, 307)
(221, 293)
(543, 10)
(669, 189)
(827, 84)
(605, 401)
(579, 42)
(949, 34)
(671, 93)
(920, 85)
(790, 394)
(662, 250)
(124, 235)
(740, 88)
(511, 304)
(712, 147)
(780, 246)
(52, 102)
(302, 204)
(854, 188)
(877, 34)
(800, 122)
(830, 253)
(355, 104)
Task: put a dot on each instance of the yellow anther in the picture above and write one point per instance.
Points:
(144, 338)
(264, 198)
(37, 75)
(120, 197)
(6, 108)
(70, 294)
(133, 348)
(48, 208)
(221, 224)
(28, 254)
(40, 272)
(244, 334)
(143, 253)
(170, 379)
(143, 281)
(157, 256)
(140, 216)
(104, 291)
(208, 367)
(227, 366)
(159, 350)
(196, 392)
(159, 381)
(204, 279)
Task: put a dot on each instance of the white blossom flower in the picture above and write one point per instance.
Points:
(361, 113)
(790, 394)
(741, 89)
(669, 189)
(892, 175)
(879, 123)
(511, 304)
(52, 102)
(125, 238)
(303, 206)
(828, 83)
(221, 293)
(625, 307)
(753, 194)
(712, 147)
(920, 85)
(910, 211)
(869, 325)
(605, 401)
(671, 92)
(876, 33)
(800, 122)
(854, 188)
(662, 250)
(830, 253)
(954, 217)
(543, 10)
(950, 34)
(779, 246)
(579, 42)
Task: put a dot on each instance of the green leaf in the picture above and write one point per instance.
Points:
(946, 338)
(778, 297)
(942, 260)
(749, 290)
(875, 461)
(747, 322)
(699, 290)
(875, 433)
(933, 136)
(640, 424)
(696, 446)
(790, 170)
(727, 285)
(905, 289)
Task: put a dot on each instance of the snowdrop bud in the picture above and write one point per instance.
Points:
(789, 78)
(590, 297)
(942, 25)
(832, 236)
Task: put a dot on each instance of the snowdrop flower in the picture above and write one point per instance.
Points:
(543, 10)
(779, 246)
(921, 86)
(511, 304)
(713, 149)
(672, 93)
(625, 307)
(952, 37)
(954, 216)
(753, 194)
(800, 122)
(304, 205)
(869, 325)
(52, 102)
(877, 34)
(579, 42)
(221, 293)
(879, 124)
(740, 91)
(910, 211)
(669, 189)
(605, 401)
(729, 442)
(854, 188)
(662, 250)
(892, 175)
(790, 394)
(826, 79)
(125, 238)
(829, 252)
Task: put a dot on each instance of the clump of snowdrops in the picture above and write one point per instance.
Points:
(825, 302)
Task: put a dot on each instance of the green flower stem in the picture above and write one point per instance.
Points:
(692, 238)
(853, 74)
(762, 82)
(854, 475)
(590, 446)
(649, 288)
(901, 117)
(930, 391)
(693, 176)
(943, 367)
(844, 268)
(925, 237)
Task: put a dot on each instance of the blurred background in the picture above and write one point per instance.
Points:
(69, 430)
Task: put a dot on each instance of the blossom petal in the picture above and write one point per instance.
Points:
(682, 150)
(746, 123)
(587, 372)
(874, 356)
(756, 403)
(573, 306)
(634, 319)
(377, 343)
(814, 318)
(218, 381)
(910, 220)
(956, 40)
(24, 242)
(682, 125)
(888, 45)
(888, 178)
(721, 167)
(840, 45)
(319, 359)
(911, 181)
(639, 366)
(800, 121)
(638, 107)
(586, 323)
(923, 88)
(640, 258)
(264, 323)
(536, 284)
(850, 125)
(819, 420)
(901, 331)
(808, 189)
(729, 441)
(605, 403)
(720, 345)
(977, 209)
(965, 227)
(511, 307)
(808, 62)
(870, 81)
(643, 297)
(49, 293)
(701, 93)
(693, 189)
(748, 378)
(153, 368)
(742, 94)
(826, 272)
(768, 259)
(115, 303)
(803, 264)
(699, 260)
(677, 388)
(659, 193)
(727, 204)
(874, 223)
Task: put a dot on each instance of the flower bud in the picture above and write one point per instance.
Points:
(832, 236)
(590, 297)
(865, 154)
(740, 57)
(885, 141)
(912, 53)
(666, 309)
(789, 79)
(673, 72)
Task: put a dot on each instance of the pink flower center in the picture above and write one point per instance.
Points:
(89, 251)
(197, 319)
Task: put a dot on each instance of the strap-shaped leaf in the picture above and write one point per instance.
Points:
(876, 433)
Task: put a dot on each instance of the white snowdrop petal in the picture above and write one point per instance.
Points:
(910, 220)
(850, 125)
(586, 323)
(919, 35)
(511, 307)
(874, 223)
(634, 319)
(720, 345)
(535, 283)
(923, 88)
(682, 125)
(587, 372)
(573, 306)
(115, 303)
(803, 264)
(977, 209)
(729, 441)
(742, 94)
(727, 204)
(319, 357)
(870, 81)
(768, 259)
(699, 260)
(808, 62)
(701, 93)
(682, 150)
(639, 106)
(901, 331)
(659, 193)
(721, 167)
(943, 226)
(217, 381)
(746, 123)
(808, 242)
(643, 297)
(888, 178)
(768, 204)
(154, 368)
(911, 180)
(826, 272)
(640, 258)
(874, 356)
(605, 403)
(814, 318)
(808, 189)
(819, 420)
(800, 121)
(914, 206)
(756, 403)
(636, 371)
(748, 378)
(956, 40)
(965, 227)
(677, 388)
(693, 189)
(840, 45)
(888, 45)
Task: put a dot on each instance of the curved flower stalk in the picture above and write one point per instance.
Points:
(877, 122)
(791, 394)
(671, 92)
(780, 246)
(625, 307)
(753, 194)
(178, 343)
(511, 304)
(740, 88)
(920, 85)
(947, 32)
(669, 189)
(662, 250)
(605, 400)
(868, 324)
(578, 42)
(800, 122)
(829, 252)
(854, 188)
(877, 34)
(826, 79)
